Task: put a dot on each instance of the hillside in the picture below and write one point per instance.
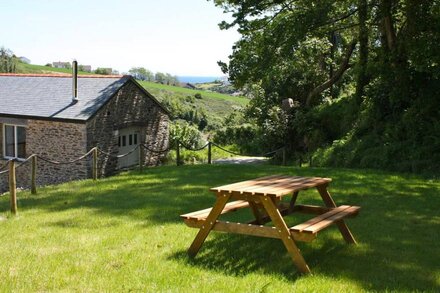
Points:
(32, 68)
(186, 104)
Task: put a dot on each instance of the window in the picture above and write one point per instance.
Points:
(124, 141)
(14, 141)
(130, 139)
(135, 138)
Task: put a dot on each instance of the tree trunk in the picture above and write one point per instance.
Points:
(338, 74)
(362, 78)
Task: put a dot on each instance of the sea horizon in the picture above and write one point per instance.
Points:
(198, 79)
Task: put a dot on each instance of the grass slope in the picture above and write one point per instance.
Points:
(32, 68)
(205, 94)
(124, 234)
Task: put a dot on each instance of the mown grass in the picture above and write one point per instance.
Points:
(205, 94)
(124, 234)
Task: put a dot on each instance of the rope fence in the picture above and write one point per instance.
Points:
(14, 164)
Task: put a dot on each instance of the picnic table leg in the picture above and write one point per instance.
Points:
(329, 202)
(256, 212)
(208, 224)
(286, 237)
(293, 200)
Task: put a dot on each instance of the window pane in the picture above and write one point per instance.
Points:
(9, 141)
(135, 138)
(119, 141)
(124, 140)
(130, 139)
(21, 142)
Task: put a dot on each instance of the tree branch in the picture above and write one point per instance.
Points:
(337, 75)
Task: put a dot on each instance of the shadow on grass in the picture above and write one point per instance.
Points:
(398, 227)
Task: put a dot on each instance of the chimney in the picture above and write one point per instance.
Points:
(74, 81)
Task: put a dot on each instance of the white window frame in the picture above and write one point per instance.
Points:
(15, 141)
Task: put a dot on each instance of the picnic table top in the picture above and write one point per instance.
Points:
(274, 185)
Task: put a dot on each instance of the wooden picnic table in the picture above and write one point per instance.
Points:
(263, 196)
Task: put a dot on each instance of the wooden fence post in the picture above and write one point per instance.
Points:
(284, 156)
(34, 175)
(209, 153)
(13, 187)
(95, 163)
(141, 156)
(178, 154)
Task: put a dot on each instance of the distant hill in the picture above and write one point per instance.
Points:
(183, 102)
(198, 79)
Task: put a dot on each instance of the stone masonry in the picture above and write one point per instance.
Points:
(66, 141)
(57, 141)
(129, 107)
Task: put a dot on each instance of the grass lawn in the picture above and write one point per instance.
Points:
(123, 234)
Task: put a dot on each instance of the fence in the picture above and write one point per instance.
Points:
(13, 164)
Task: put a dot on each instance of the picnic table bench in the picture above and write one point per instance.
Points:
(263, 196)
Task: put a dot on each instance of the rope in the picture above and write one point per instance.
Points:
(118, 156)
(25, 161)
(67, 162)
(5, 166)
(155, 151)
(2, 171)
(195, 150)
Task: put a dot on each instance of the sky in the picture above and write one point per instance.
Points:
(180, 37)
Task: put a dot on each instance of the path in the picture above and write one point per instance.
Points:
(241, 160)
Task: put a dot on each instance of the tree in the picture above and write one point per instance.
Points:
(369, 56)
(160, 77)
(141, 73)
(8, 62)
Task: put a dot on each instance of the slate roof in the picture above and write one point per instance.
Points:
(50, 96)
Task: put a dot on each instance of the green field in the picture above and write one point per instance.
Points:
(124, 234)
(210, 95)
(38, 69)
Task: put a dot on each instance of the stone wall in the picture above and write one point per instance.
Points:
(129, 107)
(57, 141)
(64, 141)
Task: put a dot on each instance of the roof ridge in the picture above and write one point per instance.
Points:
(64, 75)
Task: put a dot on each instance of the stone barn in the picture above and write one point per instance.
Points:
(62, 117)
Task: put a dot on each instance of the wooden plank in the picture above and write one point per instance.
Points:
(330, 220)
(285, 234)
(293, 200)
(207, 226)
(231, 187)
(319, 218)
(256, 212)
(309, 181)
(329, 202)
(229, 207)
(251, 229)
(284, 210)
(311, 209)
(273, 183)
(269, 188)
(306, 185)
